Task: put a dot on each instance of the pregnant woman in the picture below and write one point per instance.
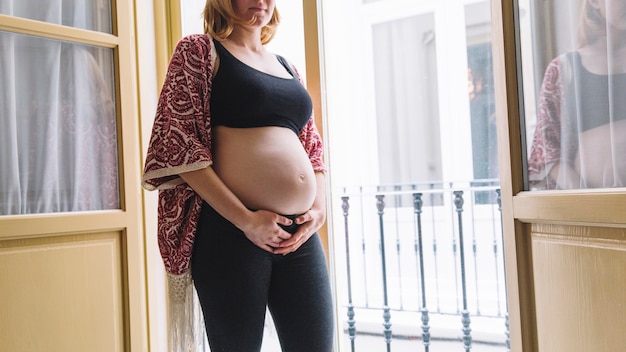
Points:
(580, 137)
(238, 161)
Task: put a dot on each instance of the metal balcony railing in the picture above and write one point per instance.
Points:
(432, 249)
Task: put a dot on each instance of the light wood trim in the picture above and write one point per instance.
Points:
(58, 32)
(588, 236)
(314, 75)
(167, 33)
(581, 207)
(312, 57)
(133, 244)
(161, 39)
(20, 226)
(175, 26)
(516, 246)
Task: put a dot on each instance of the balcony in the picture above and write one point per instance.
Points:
(422, 266)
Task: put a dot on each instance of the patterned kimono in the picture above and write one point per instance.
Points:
(572, 101)
(181, 142)
(546, 146)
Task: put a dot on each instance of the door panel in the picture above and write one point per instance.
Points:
(565, 250)
(62, 293)
(72, 278)
(580, 285)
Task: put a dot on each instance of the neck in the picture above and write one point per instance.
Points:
(614, 39)
(249, 39)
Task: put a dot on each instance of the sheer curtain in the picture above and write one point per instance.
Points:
(57, 114)
(580, 136)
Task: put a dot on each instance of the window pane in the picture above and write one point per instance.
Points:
(405, 76)
(481, 100)
(94, 15)
(577, 121)
(58, 127)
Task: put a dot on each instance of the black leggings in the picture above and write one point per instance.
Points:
(236, 281)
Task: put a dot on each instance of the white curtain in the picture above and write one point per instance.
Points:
(57, 115)
(580, 136)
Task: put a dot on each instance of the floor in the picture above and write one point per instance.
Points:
(487, 334)
(367, 343)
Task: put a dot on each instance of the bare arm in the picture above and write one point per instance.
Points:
(260, 227)
(565, 176)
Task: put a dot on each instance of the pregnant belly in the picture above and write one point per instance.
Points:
(602, 156)
(266, 168)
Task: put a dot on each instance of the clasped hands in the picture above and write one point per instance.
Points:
(264, 231)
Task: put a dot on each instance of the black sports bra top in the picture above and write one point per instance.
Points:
(594, 99)
(243, 97)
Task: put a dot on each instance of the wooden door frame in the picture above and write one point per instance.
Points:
(522, 325)
(126, 220)
(521, 208)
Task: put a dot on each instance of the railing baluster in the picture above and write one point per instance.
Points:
(428, 229)
(435, 258)
(380, 205)
(467, 337)
(351, 322)
(417, 208)
(496, 263)
(363, 250)
(475, 253)
(398, 204)
(455, 253)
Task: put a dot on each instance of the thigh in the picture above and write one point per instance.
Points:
(232, 277)
(300, 300)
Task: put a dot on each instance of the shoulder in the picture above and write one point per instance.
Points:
(292, 66)
(195, 42)
(559, 67)
(194, 50)
(286, 61)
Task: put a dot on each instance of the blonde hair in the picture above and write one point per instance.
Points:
(591, 24)
(220, 20)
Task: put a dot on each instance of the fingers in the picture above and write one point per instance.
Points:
(278, 241)
(308, 224)
(304, 218)
(292, 244)
(283, 220)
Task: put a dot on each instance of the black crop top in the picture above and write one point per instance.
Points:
(594, 99)
(243, 97)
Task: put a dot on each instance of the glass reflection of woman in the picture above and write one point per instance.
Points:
(580, 137)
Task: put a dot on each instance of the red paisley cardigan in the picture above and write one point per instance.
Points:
(546, 147)
(181, 142)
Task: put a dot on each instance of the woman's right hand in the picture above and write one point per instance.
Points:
(262, 229)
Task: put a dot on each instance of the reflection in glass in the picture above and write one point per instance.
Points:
(482, 105)
(93, 15)
(57, 127)
(580, 136)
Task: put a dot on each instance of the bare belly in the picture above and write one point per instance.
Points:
(265, 167)
(602, 156)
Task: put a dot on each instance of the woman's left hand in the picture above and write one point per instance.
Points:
(309, 223)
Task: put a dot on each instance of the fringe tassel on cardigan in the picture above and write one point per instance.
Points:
(186, 322)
